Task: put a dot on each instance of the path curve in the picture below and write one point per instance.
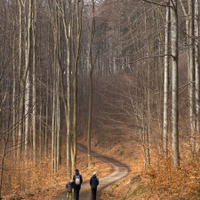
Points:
(120, 171)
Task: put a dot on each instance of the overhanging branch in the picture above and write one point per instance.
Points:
(158, 4)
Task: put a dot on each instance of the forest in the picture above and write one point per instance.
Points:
(102, 72)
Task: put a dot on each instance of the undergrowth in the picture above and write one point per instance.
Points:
(168, 181)
(30, 181)
(22, 177)
(160, 180)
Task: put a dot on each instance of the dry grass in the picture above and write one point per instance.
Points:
(160, 181)
(38, 182)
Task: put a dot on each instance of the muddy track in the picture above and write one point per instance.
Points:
(120, 171)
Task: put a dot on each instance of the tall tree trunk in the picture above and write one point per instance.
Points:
(46, 120)
(53, 128)
(34, 14)
(67, 101)
(174, 57)
(20, 107)
(14, 100)
(57, 121)
(148, 95)
(27, 79)
(91, 34)
(53, 115)
(191, 72)
(166, 82)
(196, 60)
(76, 53)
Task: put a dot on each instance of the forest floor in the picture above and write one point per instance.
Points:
(126, 153)
(49, 192)
(139, 183)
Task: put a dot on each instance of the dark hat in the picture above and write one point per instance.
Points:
(76, 170)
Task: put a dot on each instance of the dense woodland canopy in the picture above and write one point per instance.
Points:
(89, 68)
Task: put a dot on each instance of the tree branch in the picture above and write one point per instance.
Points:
(158, 4)
(149, 57)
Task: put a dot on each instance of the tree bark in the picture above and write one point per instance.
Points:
(166, 82)
(13, 99)
(34, 14)
(19, 140)
(191, 72)
(174, 57)
(91, 33)
(76, 53)
(27, 78)
(196, 60)
(67, 101)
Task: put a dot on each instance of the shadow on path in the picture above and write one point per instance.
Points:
(120, 171)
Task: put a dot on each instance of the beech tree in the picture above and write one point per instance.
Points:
(91, 35)
(166, 80)
(196, 60)
(27, 79)
(193, 68)
(34, 19)
(67, 100)
(174, 58)
(77, 9)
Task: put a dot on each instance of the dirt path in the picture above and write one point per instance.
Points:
(120, 171)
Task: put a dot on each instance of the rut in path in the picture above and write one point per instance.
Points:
(120, 171)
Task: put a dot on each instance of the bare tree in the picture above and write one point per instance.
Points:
(191, 72)
(34, 17)
(91, 34)
(196, 60)
(190, 62)
(67, 100)
(14, 96)
(77, 12)
(27, 79)
(174, 57)
(21, 84)
(166, 81)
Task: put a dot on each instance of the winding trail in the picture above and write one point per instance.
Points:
(120, 171)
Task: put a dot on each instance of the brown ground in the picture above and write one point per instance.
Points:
(161, 181)
(124, 152)
(47, 193)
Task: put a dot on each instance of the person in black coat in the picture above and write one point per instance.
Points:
(77, 184)
(94, 182)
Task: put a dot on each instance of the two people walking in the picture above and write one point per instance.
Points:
(76, 184)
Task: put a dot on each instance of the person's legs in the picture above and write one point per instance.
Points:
(67, 195)
(76, 194)
(94, 191)
(70, 195)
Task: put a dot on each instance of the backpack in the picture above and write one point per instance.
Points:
(77, 180)
(69, 188)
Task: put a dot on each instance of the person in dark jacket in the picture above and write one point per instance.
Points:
(94, 182)
(77, 184)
